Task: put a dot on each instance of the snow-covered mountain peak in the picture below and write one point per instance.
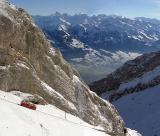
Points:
(100, 34)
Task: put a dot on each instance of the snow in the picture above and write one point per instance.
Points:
(150, 38)
(125, 56)
(62, 28)
(45, 121)
(21, 64)
(23, 96)
(4, 67)
(85, 29)
(77, 44)
(34, 24)
(135, 37)
(140, 37)
(78, 60)
(155, 37)
(133, 133)
(53, 92)
(140, 111)
(31, 123)
(108, 61)
(64, 21)
(146, 78)
(52, 51)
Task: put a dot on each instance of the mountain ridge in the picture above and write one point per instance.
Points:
(134, 90)
(98, 45)
(145, 66)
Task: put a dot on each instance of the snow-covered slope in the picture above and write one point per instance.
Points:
(135, 90)
(45, 121)
(147, 80)
(135, 75)
(141, 111)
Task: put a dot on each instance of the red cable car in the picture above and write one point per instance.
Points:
(28, 105)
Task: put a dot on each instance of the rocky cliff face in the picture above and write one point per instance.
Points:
(134, 76)
(29, 64)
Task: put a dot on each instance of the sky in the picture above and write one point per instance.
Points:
(127, 8)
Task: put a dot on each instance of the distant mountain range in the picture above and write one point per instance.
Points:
(98, 45)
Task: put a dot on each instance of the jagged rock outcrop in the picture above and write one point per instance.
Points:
(134, 76)
(29, 64)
